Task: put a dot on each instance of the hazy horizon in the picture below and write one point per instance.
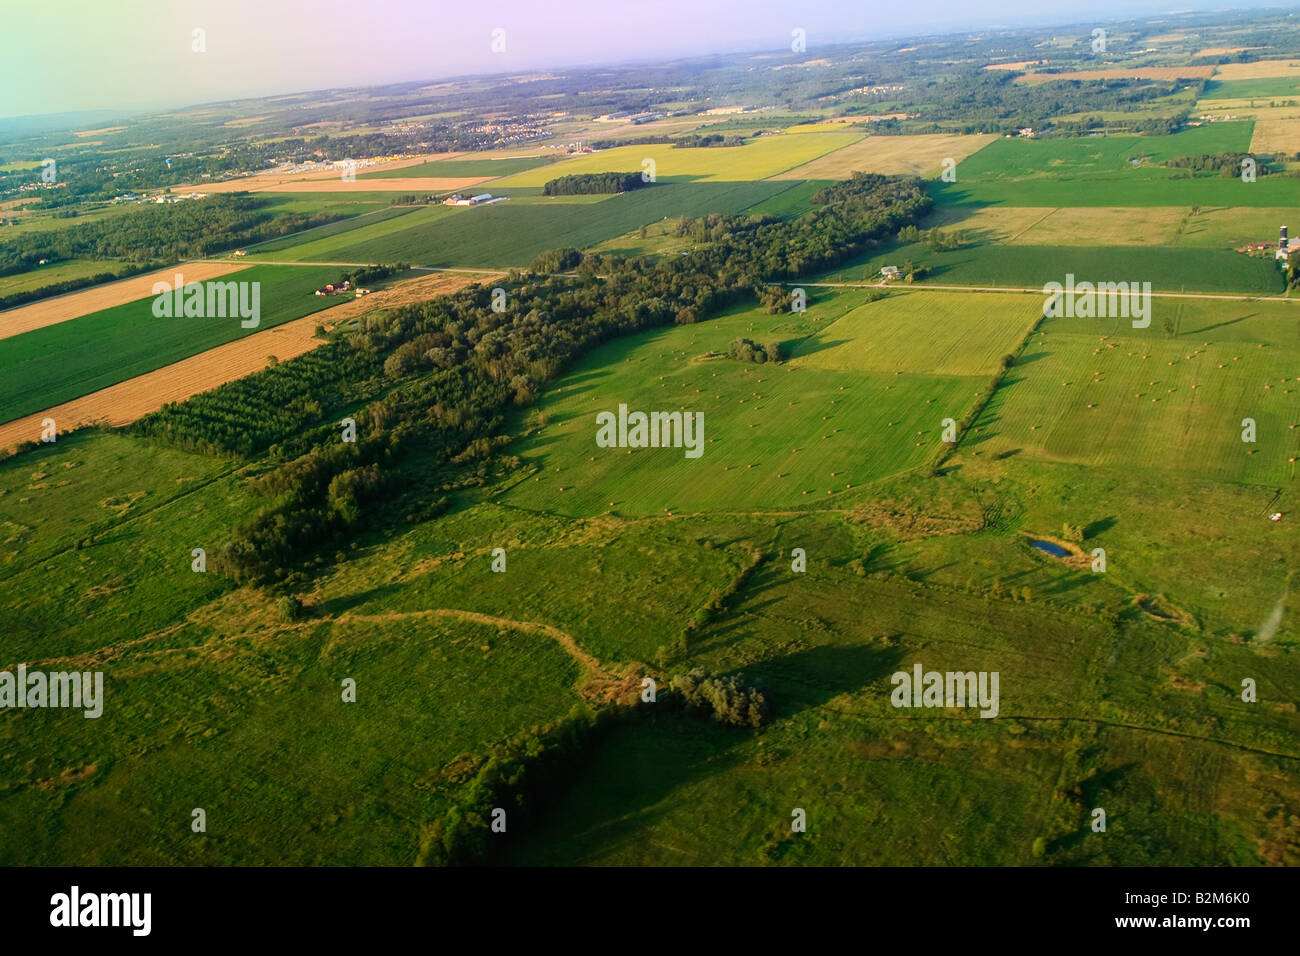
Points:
(138, 55)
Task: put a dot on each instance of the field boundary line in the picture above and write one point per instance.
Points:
(1036, 222)
(913, 287)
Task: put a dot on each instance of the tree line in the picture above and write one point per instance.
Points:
(586, 184)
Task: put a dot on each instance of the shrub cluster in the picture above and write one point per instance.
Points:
(728, 700)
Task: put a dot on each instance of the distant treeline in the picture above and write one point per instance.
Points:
(707, 141)
(184, 230)
(586, 184)
(438, 377)
(1225, 165)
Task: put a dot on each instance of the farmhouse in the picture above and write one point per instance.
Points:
(889, 272)
(457, 199)
(341, 289)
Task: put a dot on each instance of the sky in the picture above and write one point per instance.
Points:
(142, 54)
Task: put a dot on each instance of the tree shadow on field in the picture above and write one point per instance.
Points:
(812, 344)
(1031, 359)
(644, 770)
(1098, 526)
(1219, 325)
(810, 678)
(336, 607)
(1091, 792)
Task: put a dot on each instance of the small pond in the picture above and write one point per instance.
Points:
(1055, 550)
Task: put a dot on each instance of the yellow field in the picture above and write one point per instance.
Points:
(919, 155)
(25, 318)
(1254, 71)
(761, 159)
(1222, 50)
(1103, 226)
(1276, 136)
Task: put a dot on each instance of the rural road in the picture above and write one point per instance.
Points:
(926, 287)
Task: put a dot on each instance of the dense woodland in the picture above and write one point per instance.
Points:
(154, 233)
(585, 184)
(437, 378)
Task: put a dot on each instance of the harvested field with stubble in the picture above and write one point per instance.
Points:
(1258, 69)
(919, 155)
(126, 401)
(38, 315)
(264, 181)
(1276, 136)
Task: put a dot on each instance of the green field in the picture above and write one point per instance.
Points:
(63, 361)
(1173, 269)
(1070, 158)
(1076, 731)
(1264, 87)
(1189, 420)
(856, 401)
(1119, 170)
(505, 234)
(868, 502)
(759, 159)
(313, 236)
(56, 272)
(323, 244)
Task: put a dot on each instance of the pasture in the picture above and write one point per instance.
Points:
(1099, 392)
(860, 398)
(285, 770)
(1076, 729)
